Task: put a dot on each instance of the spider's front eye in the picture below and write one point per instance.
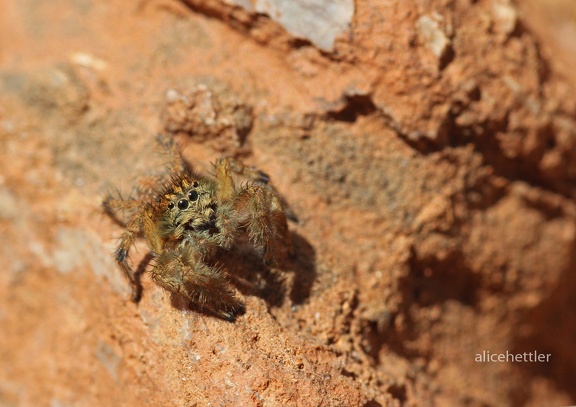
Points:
(183, 204)
(171, 205)
(193, 195)
(195, 184)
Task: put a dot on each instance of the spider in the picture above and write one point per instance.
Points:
(187, 219)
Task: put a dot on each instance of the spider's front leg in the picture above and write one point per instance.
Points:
(261, 212)
(227, 166)
(255, 206)
(181, 271)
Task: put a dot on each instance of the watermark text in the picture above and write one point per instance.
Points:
(509, 357)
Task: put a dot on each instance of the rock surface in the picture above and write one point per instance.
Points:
(319, 21)
(429, 155)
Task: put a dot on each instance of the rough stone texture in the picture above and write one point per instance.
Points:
(318, 21)
(430, 159)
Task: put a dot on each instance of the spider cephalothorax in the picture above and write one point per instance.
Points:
(187, 219)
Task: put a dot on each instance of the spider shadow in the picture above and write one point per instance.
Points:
(289, 275)
(181, 303)
(303, 265)
(140, 270)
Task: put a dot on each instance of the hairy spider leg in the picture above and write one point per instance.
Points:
(258, 207)
(177, 164)
(133, 229)
(260, 211)
(179, 270)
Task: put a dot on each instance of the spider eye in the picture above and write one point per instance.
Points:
(171, 205)
(182, 204)
(195, 184)
(193, 195)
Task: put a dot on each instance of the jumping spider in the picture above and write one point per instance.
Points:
(187, 219)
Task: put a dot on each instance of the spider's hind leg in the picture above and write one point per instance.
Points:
(177, 163)
(113, 206)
